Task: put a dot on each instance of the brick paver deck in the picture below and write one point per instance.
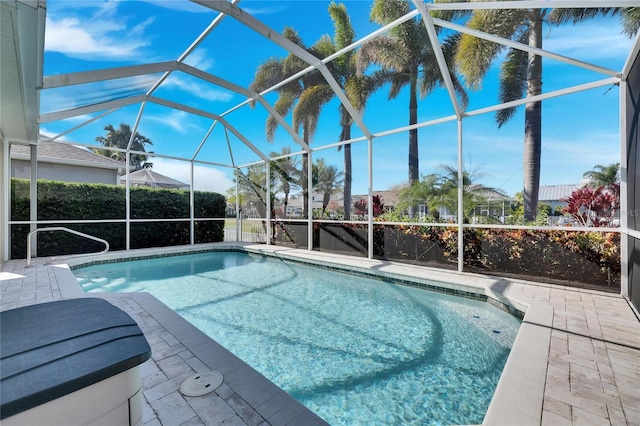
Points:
(576, 360)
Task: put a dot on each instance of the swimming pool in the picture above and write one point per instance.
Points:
(354, 350)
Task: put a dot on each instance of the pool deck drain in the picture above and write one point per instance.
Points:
(576, 359)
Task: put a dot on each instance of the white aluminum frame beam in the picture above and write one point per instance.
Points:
(210, 115)
(89, 109)
(248, 93)
(84, 77)
(214, 23)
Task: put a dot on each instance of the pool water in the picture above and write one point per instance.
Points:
(356, 351)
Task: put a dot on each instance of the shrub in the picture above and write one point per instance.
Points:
(82, 201)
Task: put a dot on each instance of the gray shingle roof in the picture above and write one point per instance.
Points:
(60, 152)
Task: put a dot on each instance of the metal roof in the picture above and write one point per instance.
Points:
(556, 192)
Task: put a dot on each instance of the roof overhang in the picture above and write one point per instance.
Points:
(22, 24)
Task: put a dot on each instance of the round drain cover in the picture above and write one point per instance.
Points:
(201, 383)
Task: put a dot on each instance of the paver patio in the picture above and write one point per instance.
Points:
(576, 359)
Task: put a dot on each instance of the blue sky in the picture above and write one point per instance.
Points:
(579, 131)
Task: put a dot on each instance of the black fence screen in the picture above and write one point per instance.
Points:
(633, 180)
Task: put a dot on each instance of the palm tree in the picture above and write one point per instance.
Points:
(522, 72)
(448, 190)
(119, 138)
(286, 171)
(328, 181)
(356, 86)
(273, 71)
(406, 57)
(606, 176)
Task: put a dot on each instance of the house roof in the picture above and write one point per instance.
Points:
(556, 192)
(64, 153)
(147, 177)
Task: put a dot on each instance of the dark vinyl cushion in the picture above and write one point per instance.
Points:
(52, 349)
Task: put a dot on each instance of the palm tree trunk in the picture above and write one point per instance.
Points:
(413, 137)
(413, 133)
(305, 173)
(533, 126)
(348, 172)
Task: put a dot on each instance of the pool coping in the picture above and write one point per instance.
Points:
(519, 395)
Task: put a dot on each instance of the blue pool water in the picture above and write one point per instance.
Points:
(356, 351)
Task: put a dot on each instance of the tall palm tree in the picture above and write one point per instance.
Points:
(328, 181)
(119, 138)
(406, 57)
(273, 71)
(521, 72)
(357, 87)
(606, 176)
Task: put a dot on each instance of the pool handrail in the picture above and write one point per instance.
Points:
(71, 231)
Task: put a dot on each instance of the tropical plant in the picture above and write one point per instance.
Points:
(286, 173)
(251, 187)
(406, 57)
(357, 87)
(606, 176)
(521, 72)
(273, 71)
(422, 192)
(119, 138)
(327, 181)
(448, 190)
(593, 207)
(362, 207)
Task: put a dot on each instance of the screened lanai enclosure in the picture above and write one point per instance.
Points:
(402, 130)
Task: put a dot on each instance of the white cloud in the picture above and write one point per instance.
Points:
(102, 36)
(206, 178)
(599, 39)
(177, 120)
(199, 59)
(200, 90)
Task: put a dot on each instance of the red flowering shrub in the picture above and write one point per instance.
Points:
(593, 207)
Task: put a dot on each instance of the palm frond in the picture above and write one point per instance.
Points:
(308, 108)
(385, 51)
(562, 16)
(513, 82)
(474, 55)
(630, 21)
(323, 47)
(283, 105)
(398, 81)
(343, 30)
(451, 15)
(386, 11)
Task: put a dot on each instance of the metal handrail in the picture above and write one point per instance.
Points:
(71, 231)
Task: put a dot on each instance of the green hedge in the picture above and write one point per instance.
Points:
(82, 201)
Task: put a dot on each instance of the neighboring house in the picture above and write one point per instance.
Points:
(146, 177)
(496, 204)
(552, 194)
(65, 162)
